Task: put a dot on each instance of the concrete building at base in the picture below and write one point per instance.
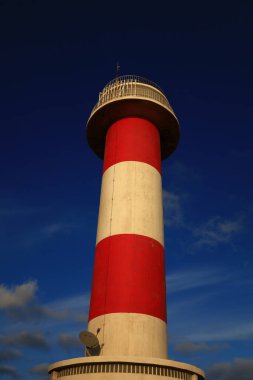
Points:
(132, 128)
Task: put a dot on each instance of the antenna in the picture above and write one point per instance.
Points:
(117, 69)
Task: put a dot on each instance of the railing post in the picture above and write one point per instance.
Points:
(53, 375)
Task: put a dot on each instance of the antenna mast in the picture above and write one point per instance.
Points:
(117, 70)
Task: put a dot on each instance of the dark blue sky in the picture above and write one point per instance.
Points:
(55, 58)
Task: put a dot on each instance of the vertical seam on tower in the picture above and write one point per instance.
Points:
(108, 258)
(113, 180)
(134, 200)
(162, 209)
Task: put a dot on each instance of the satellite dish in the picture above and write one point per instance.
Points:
(91, 342)
(88, 339)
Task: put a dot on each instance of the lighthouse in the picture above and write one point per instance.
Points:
(132, 128)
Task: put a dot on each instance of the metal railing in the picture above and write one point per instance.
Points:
(131, 86)
(134, 78)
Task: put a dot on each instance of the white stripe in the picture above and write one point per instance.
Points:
(130, 334)
(131, 201)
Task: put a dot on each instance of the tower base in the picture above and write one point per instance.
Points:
(123, 368)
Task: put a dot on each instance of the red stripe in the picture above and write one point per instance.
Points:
(129, 277)
(132, 139)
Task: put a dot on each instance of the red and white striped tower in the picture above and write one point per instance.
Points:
(128, 299)
(132, 127)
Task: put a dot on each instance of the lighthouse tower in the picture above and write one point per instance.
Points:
(132, 128)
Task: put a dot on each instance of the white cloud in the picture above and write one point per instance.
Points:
(72, 308)
(45, 233)
(215, 231)
(68, 341)
(20, 305)
(173, 214)
(226, 330)
(189, 348)
(38, 234)
(8, 371)
(9, 354)
(196, 278)
(17, 296)
(33, 339)
(40, 369)
(239, 369)
(73, 302)
(211, 314)
(52, 229)
(198, 319)
(183, 174)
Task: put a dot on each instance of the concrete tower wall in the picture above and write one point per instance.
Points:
(128, 303)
